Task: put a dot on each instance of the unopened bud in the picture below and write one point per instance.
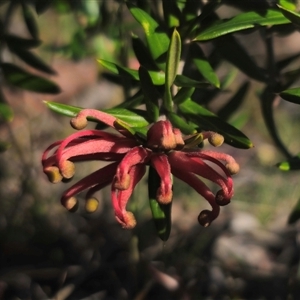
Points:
(161, 136)
(216, 139)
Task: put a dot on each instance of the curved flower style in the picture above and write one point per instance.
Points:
(165, 149)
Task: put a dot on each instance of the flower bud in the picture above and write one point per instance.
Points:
(161, 136)
(216, 139)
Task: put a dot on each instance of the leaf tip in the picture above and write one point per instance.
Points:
(251, 145)
(283, 166)
(100, 61)
(47, 103)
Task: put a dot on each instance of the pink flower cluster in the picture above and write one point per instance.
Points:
(164, 148)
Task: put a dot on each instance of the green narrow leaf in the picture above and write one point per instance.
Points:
(14, 41)
(62, 6)
(291, 95)
(295, 214)
(157, 40)
(241, 119)
(161, 213)
(205, 96)
(6, 113)
(292, 163)
(183, 94)
(229, 78)
(267, 99)
(231, 50)
(289, 4)
(22, 79)
(142, 54)
(30, 20)
(291, 15)
(180, 123)
(4, 146)
(158, 78)
(193, 21)
(173, 59)
(133, 118)
(76, 47)
(172, 13)
(91, 10)
(206, 120)
(289, 78)
(190, 10)
(281, 64)
(32, 60)
(42, 6)
(133, 101)
(242, 21)
(184, 81)
(151, 96)
(203, 65)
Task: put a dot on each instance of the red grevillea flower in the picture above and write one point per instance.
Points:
(164, 148)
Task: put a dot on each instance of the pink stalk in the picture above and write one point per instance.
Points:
(95, 146)
(190, 162)
(136, 155)
(200, 187)
(162, 166)
(80, 120)
(99, 177)
(81, 134)
(46, 152)
(231, 165)
(120, 198)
